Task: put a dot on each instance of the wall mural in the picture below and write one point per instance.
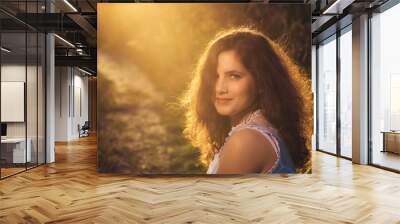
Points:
(204, 88)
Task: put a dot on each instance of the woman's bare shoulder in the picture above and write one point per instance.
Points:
(246, 151)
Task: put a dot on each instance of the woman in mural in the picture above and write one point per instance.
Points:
(248, 107)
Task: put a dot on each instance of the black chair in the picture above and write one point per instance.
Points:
(84, 130)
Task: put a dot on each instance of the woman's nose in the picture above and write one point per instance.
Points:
(221, 86)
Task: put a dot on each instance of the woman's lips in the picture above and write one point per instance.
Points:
(222, 100)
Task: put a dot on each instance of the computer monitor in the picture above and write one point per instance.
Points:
(3, 129)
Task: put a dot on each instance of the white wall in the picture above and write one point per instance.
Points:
(80, 110)
(62, 80)
(33, 127)
(71, 94)
(12, 73)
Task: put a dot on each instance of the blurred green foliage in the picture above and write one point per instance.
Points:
(139, 135)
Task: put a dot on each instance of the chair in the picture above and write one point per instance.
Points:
(84, 130)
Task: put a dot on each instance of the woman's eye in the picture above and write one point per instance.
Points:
(234, 76)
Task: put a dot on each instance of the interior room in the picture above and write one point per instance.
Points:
(52, 117)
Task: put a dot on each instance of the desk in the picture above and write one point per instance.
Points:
(391, 141)
(16, 147)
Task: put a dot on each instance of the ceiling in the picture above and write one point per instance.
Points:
(76, 22)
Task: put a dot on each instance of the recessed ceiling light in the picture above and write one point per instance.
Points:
(5, 50)
(337, 7)
(70, 5)
(84, 71)
(64, 40)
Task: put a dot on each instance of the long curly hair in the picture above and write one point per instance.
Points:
(284, 95)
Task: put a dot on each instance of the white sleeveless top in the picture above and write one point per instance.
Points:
(249, 123)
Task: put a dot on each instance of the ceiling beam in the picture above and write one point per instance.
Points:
(83, 61)
(84, 24)
(337, 7)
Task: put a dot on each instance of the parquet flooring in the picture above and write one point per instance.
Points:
(9, 171)
(387, 159)
(71, 191)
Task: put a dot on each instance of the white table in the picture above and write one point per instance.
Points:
(19, 155)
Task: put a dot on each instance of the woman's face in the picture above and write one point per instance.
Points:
(235, 89)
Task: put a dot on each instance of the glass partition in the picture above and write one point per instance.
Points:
(346, 93)
(327, 95)
(15, 149)
(32, 95)
(22, 88)
(385, 89)
(41, 87)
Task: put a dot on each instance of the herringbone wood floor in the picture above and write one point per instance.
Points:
(71, 191)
